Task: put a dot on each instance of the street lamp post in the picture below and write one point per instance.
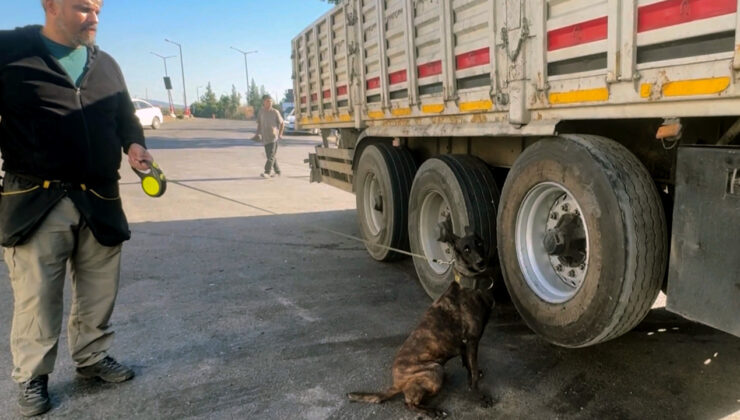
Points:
(197, 92)
(169, 91)
(182, 67)
(246, 68)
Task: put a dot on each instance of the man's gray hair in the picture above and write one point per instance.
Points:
(43, 3)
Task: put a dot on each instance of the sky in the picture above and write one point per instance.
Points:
(130, 29)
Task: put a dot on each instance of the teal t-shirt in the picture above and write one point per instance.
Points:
(73, 60)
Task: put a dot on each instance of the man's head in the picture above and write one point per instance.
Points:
(72, 22)
(267, 101)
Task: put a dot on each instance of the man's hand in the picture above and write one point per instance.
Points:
(138, 157)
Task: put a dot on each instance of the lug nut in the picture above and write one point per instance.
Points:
(582, 266)
(572, 273)
(554, 216)
(559, 268)
(565, 208)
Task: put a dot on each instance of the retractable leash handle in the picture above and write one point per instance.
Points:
(153, 181)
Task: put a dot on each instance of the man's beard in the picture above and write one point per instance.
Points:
(82, 37)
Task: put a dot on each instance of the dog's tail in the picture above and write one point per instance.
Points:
(373, 397)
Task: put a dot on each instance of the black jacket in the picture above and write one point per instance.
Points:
(51, 130)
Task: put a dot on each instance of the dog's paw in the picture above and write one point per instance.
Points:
(433, 413)
(486, 401)
(439, 414)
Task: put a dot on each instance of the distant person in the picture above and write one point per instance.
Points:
(270, 126)
(66, 117)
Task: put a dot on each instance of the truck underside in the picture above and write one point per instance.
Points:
(601, 135)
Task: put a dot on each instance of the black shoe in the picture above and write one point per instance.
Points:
(34, 398)
(108, 370)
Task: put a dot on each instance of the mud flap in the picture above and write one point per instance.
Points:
(704, 267)
(332, 166)
(313, 164)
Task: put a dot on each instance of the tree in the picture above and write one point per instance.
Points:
(231, 104)
(255, 98)
(224, 103)
(207, 105)
(288, 96)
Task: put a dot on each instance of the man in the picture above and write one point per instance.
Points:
(66, 116)
(270, 126)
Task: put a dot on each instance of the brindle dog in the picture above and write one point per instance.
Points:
(452, 326)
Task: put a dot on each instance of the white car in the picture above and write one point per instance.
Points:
(290, 125)
(148, 114)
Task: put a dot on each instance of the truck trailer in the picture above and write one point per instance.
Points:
(592, 145)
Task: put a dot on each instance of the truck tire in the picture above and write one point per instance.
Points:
(382, 184)
(461, 188)
(582, 237)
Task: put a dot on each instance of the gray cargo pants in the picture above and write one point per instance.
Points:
(271, 152)
(37, 271)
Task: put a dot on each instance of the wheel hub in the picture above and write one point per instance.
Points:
(552, 242)
(434, 210)
(373, 205)
(378, 203)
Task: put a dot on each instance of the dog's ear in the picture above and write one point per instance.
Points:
(444, 230)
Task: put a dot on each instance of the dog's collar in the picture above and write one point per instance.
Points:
(466, 282)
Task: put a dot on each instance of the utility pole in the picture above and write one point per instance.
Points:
(167, 83)
(246, 68)
(182, 67)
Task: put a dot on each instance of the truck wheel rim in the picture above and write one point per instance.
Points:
(434, 209)
(552, 242)
(373, 203)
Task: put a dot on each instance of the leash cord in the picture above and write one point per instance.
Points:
(334, 232)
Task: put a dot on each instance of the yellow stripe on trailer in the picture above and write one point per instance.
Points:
(696, 87)
(583, 95)
(476, 106)
(304, 120)
(375, 114)
(345, 117)
(329, 118)
(646, 89)
(401, 112)
(316, 120)
(433, 108)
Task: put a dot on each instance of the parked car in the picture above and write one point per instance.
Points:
(148, 114)
(290, 126)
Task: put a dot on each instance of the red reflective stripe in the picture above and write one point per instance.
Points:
(580, 33)
(373, 83)
(673, 12)
(314, 97)
(397, 77)
(430, 69)
(341, 90)
(327, 93)
(303, 99)
(473, 58)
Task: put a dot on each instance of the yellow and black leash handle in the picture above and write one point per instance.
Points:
(153, 181)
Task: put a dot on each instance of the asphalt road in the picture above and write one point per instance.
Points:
(254, 311)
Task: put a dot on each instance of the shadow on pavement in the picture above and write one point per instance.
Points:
(273, 318)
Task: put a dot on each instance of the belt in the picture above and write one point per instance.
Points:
(54, 184)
